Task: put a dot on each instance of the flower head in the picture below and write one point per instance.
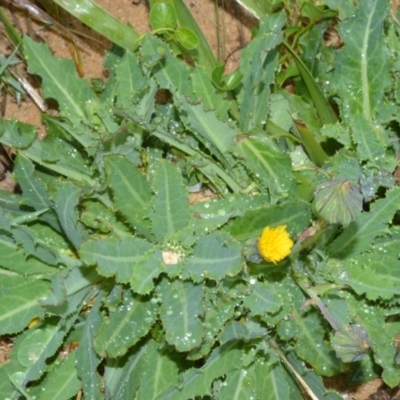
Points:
(275, 244)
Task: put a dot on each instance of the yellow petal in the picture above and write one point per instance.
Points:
(275, 244)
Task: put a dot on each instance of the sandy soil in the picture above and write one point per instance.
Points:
(226, 38)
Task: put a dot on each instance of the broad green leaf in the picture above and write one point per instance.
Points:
(7, 389)
(33, 246)
(375, 275)
(34, 192)
(198, 381)
(206, 92)
(33, 345)
(262, 55)
(132, 195)
(9, 203)
(271, 166)
(212, 214)
(65, 200)
(126, 325)
(126, 259)
(238, 385)
(180, 310)
(72, 98)
(87, 360)
(100, 218)
(162, 16)
(123, 374)
(305, 119)
(265, 379)
(203, 55)
(381, 333)
(146, 269)
(263, 299)
(74, 288)
(53, 152)
(234, 330)
(169, 72)
(307, 329)
(217, 135)
(60, 383)
(130, 80)
(361, 69)
(186, 38)
(345, 8)
(20, 304)
(361, 233)
(21, 135)
(273, 381)
(33, 349)
(369, 141)
(215, 256)
(214, 318)
(314, 13)
(15, 259)
(159, 372)
(296, 215)
(171, 206)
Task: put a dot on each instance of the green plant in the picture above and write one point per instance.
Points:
(166, 300)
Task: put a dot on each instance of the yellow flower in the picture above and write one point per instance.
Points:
(274, 244)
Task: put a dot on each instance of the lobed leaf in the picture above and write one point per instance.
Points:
(52, 152)
(215, 256)
(122, 375)
(132, 195)
(212, 214)
(20, 304)
(87, 360)
(127, 259)
(33, 349)
(171, 208)
(295, 214)
(217, 135)
(381, 333)
(261, 62)
(159, 371)
(180, 312)
(60, 383)
(169, 72)
(65, 200)
(361, 69)
(308, 329)
(73, 98)
(361, 233)
(197, 382)
(129, 80)
(264, 298)
(126, 325)
(375, 275)
(146, 269)
(271, 166)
